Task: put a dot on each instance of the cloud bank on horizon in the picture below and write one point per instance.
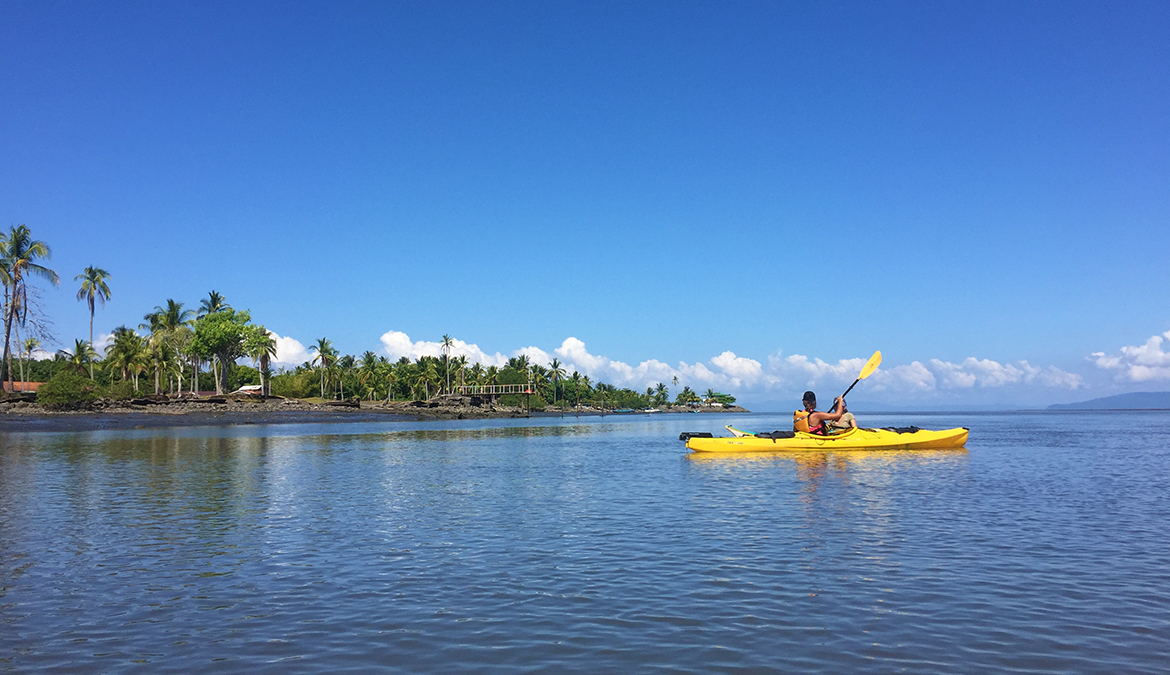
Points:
(778, 375)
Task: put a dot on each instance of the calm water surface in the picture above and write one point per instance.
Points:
(588, 546)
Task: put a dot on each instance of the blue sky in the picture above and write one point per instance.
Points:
(980, 190)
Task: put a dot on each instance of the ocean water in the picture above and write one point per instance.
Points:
(592, 545)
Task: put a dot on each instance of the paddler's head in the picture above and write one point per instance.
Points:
(810, 400)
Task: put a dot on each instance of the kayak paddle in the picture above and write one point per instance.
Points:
(872, 365)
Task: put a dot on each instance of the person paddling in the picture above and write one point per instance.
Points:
(812, 422)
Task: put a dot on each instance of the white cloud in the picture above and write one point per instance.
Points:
(397, 344)
(103, 341)
(780, 374)
(972, 372)
(289, 352)
(1140, 363)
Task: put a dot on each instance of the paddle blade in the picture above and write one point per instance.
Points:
(874, 362)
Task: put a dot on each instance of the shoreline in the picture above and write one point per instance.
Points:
(23, 417)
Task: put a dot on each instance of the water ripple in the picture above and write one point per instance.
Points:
(584, 546)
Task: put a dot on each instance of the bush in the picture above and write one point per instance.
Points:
(67, 389)
(294, 385)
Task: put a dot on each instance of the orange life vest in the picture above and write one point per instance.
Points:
(800, 423)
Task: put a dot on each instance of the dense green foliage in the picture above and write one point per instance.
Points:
(67, 388)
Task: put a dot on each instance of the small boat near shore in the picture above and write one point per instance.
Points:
(893, 438)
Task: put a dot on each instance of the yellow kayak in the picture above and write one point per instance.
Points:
(909, 438)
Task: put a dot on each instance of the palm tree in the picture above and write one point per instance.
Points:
(519, 363)
(345, 366)
(29, 345)
(447, 343)
(81, 356)
(93, 287)
(169, 326)
(576, 380)
(19, 253)
(709, 396)
(461, 368)
(214, 302)
(325, 357)
(260, 347)
(171, 317)
(128, 353)
(429, 372)
(556, 372)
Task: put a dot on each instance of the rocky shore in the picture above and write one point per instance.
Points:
(21, 413)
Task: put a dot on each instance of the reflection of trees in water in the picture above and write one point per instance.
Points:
(171, 489)
(489, 433)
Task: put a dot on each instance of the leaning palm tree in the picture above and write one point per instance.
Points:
(93, 287)
(19, 253)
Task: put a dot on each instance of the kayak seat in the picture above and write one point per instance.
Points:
(777, 434)
(902, 430)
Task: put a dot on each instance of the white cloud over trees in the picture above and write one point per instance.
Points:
(736, 374)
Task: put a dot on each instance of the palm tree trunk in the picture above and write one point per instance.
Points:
(19, 360)
(6, 365)
(91, 335)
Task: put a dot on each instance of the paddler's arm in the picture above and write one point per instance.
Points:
(833, 416)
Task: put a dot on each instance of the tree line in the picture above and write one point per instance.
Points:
(177, 350)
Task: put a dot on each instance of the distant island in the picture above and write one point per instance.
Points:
(1143, 400)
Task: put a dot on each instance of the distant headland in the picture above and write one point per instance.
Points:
(1142, 400)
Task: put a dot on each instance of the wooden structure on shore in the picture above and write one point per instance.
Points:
(491, 390)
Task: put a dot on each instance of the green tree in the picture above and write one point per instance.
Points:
(170, 325)
(260, 346)
(29, 345)
(93, 287)
(556, 372)
(213, 304)
(128, 353)
(575, 378)
(82, 355)
(19, 254)
(221, 334)
(325, 357)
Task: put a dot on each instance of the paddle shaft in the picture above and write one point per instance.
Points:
(846, 393)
